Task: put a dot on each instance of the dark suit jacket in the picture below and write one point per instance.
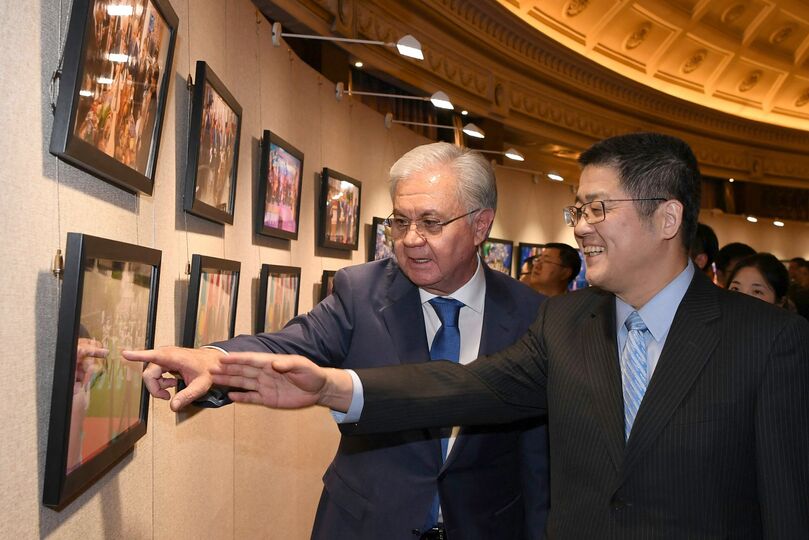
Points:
(720, 445)
(382, 486)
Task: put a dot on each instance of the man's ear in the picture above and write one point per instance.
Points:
(671, 213)
(482, 224)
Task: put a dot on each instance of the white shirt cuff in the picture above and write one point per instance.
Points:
(214, 347)
(357, 403)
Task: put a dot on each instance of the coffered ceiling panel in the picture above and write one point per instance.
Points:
(749, 58)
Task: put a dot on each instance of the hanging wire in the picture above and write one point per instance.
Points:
(260, 118)
(57, 265)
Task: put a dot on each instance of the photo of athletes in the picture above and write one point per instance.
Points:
(381, 243)
(281, 303)
(497, 254)
(340, 211)
(282, 184)
(106, 388)
(217, 148)
(124, 67)
(215, 306)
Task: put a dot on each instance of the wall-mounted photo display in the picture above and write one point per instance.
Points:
(278, 204)
(526, 251)
(113, 89)
(327, 283)
(213, 148)
(581, 279)
(380, 244)
(99, 404)
(212, 293)
(278, 294)
(497, 254)
(339, 211)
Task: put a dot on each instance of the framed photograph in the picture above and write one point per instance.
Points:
(278, 205)
(327, 283)
(524, 252)
(278, 294)
(380, 245)
(113, 89)
(99, 404)
(339, 211)
(497, 254)
(581, 280)
(213, 148)
(210, 313)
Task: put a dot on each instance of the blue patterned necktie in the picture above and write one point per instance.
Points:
(446, 346)
(633, 368)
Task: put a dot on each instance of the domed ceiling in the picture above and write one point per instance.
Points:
(744, 57)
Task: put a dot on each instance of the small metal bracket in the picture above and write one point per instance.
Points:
(57, 74)
(58, 264)
(189, 82)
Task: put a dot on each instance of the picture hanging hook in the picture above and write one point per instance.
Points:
(189, 82)
(57, 74)
(58, 264)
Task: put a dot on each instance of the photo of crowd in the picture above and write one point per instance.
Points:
(497, 254)
(106, 388)
(342, 207)
(214, 307)
(125, 58)
(282, 300)
(217, 148)
(283, 186)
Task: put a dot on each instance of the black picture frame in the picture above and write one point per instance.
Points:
(339, 207)
(498, 254)
(279, 288)
(380, 242)
(104, 85)
(327, 283)
(525, 250)
(204, 322)
(213, 148)
(278, 205)
(108, 304)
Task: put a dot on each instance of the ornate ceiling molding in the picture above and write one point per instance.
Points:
(495, 65)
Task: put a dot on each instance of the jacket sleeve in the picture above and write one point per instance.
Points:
(782, 435)
(323, 335)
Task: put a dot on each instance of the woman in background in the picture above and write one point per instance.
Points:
(761, 275)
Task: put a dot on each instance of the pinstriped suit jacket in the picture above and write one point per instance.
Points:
(720, 445)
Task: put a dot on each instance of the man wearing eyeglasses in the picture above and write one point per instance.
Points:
(436, 299)
(676, 409)
(554, 269)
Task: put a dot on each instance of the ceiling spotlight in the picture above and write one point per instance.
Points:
(556, 177)
(752, 219)
(407, 45)
(358, 64)
(464, 112)
(473, 131)
(511, 153)
(778, 223)
(438, 99)
(731, 180)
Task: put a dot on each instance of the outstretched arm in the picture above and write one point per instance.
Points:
(283, 382)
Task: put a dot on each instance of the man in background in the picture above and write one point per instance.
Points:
(436, 299)
(554, 269)
(726, 259)
(704, 249)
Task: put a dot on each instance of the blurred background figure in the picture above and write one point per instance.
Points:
(763, 276)
(554, 269)
(726, 260)
(799, 285)
(704, 249)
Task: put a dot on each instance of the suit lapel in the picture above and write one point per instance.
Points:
(689, 345)
(600, 354)
(404, 319)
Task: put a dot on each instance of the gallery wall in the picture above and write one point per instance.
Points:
(239, 471)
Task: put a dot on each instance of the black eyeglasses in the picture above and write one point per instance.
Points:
(425, 227)
(594, 211)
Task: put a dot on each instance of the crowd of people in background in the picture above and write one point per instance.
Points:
(738, 267)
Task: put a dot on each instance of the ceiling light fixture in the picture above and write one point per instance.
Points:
(555, 177)
(778, 223)
(407, 45)
(358, 64)
(752, 219)
(438, 99)
(468, 128)
(731, 180)
(510, 153)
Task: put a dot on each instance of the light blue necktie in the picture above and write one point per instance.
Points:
(446, 346)
(633, 368)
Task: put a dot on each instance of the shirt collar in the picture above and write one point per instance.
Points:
(472, 293)
(658, 313)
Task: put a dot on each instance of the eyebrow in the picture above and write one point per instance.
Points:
(590, 197)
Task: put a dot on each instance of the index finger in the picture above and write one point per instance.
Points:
(163, 357)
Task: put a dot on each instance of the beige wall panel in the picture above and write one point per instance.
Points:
(785, 243)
